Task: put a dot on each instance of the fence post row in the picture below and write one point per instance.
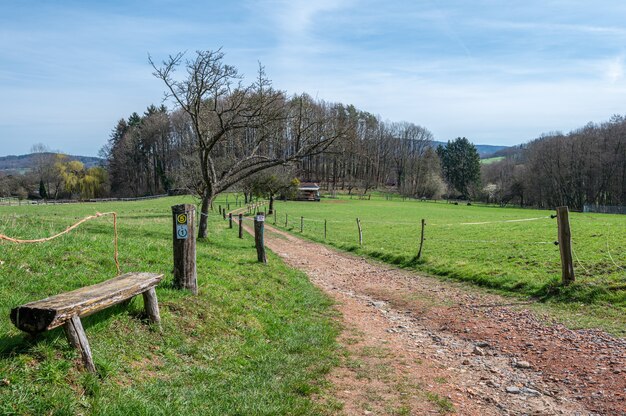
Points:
(259, 221)
(184, 242)
(565, 245)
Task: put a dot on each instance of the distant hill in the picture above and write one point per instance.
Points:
(24, 163)
(484, 150)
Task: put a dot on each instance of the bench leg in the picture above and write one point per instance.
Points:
(151, 305)
(77, 338)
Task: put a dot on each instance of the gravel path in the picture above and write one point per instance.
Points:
(419, 345)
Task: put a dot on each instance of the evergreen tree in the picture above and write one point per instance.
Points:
(460, 164)
(42, 189)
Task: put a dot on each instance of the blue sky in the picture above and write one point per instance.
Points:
(497, 72)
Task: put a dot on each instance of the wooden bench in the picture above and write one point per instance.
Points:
(67, 308)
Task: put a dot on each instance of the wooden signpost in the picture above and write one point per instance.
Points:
(185, 275)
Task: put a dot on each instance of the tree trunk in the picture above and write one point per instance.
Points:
(203, 230)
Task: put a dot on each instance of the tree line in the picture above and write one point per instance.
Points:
(225, 134)
(55, 175)
(585, 166)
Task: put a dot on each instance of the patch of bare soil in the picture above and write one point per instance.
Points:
(417, 345)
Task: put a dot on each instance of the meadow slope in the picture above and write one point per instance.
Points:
(258, 339)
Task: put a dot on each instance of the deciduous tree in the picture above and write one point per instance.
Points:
(237, 129)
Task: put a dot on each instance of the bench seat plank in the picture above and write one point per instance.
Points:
(54, 311)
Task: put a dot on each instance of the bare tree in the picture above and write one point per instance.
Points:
(239, 129)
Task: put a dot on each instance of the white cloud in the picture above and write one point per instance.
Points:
(614, 71)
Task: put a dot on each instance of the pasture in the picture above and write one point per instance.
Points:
(508, 249)
(258, 339)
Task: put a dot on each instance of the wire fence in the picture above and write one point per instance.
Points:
(26, 202)
(509, 244)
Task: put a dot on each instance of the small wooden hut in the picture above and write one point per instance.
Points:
(308, 191)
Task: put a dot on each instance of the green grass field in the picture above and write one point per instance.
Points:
(491, 160)
(477, 244)
(258, 339)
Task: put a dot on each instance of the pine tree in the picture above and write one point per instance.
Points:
(460, 164)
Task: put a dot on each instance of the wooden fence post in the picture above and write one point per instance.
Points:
(286, 220)
(565, 245)
(240, 225)
(185, 275)
(224, 213)
(419, 253)
(220, 209)
(324, 229)
(274, 216)
(301, 224)
(358, 223)
(230, 220)
(259, 221)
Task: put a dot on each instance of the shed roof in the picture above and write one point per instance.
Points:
(309, 186)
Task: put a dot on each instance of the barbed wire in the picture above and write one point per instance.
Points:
(417, 223)
(454, 240)
(490, 222)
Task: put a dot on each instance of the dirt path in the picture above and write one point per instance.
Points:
(420, 346)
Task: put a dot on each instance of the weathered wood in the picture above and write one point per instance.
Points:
(358, 223)
(565, 245)
(76, 337)
(151, 305)
(324, 229)
(274, 217)
(259, 221)
(230, 220)
(240, 225)
(224, 214)
(185, 275)
(419, 253)
(49, 313)
(286, 220)
(301, 224)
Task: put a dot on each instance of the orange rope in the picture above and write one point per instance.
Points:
(67, 230)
